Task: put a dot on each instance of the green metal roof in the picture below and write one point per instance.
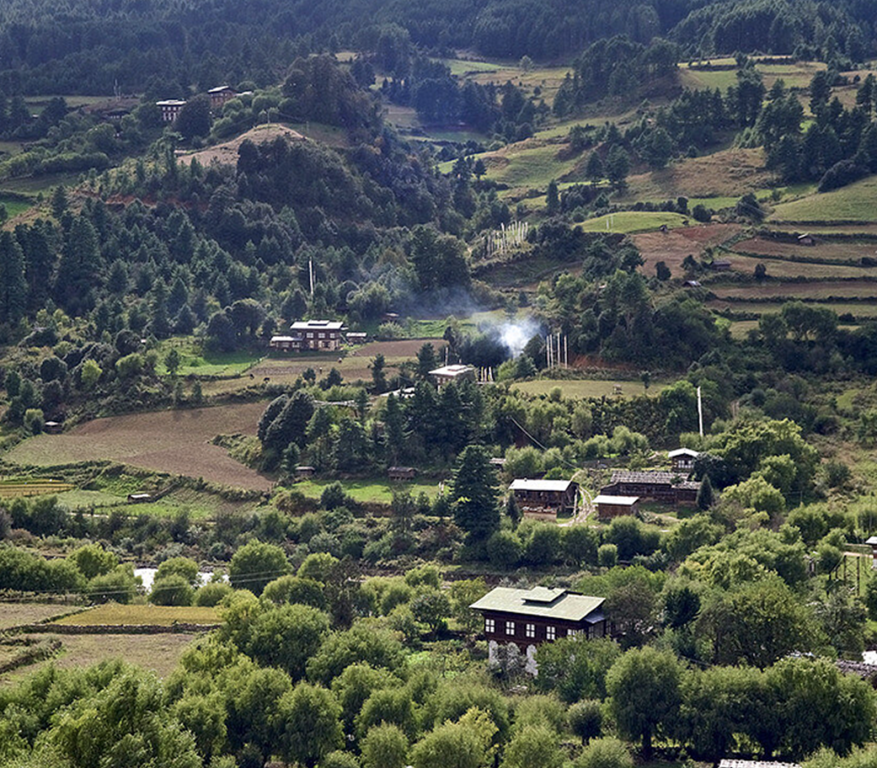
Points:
(539, 601)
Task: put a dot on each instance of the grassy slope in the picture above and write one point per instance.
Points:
(856, 202)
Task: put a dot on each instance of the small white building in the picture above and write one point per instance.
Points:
(449, 373)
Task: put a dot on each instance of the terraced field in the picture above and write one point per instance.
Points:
(14, 489)
(824, 250)
(859, 310)
(788, 291)
(854, 203)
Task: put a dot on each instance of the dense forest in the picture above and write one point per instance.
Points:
(94, 47)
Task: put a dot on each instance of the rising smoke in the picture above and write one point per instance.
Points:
(515, 335)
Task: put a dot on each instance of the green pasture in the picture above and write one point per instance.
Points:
(581, 389)
(201, 363)
(856, 202)
(529, 167)
(859, 310)
(368, 491)
(462, 67)
(627, 222)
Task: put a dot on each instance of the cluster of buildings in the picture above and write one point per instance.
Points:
(170, 108)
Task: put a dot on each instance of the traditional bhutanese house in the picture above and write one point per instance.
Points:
(53, 428)
(317, 334)
(401, 473)
(861, 669)
(544, 498)
(666, 487)
(530, 617)
(683, 459)
(302, 472)
(220, 95)
(170, 108)
(755, 764)
(616, 506)
(139, 498)
(449, 373)
(357, 338)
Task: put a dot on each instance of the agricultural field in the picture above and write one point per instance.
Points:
(176, 441)
(580, 389)
(370, 491)
(113, 614)
(15, 489)
(780, 291)
(18, 614)
(859, 310)
(628, 222)
(672, 247)
(856, 202)
(783, 268)
(195, 362)
(530, 164)
(156, 653)
(824, 250)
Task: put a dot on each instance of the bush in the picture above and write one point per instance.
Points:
(504, 549)
(210, 595)
(607, 556)
(605, 753)
(586, 719)
(171, 590)
(34, 420)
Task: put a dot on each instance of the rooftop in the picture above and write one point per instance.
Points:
(170, 103)
(323, 325)
(755, 764)
(683, 452)
(220, 89)
(542, 602)
(541, 485)
(451, 370)
(653, 478)
(618, 501)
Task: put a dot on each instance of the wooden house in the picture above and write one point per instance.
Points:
(666, 487)
(544, 498)
(282, 343)
(682, 459)
(616, 506)
(302, 472)
(53, 428)
(219, 95)
(316, 335)
(139, 498)
(170, 109)
(529, 617)
(448, 373)
(721, 265)
(357, 338)
(401, 473)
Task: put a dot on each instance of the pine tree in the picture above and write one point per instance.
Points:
(705, 494)
(474, 493)
(13, 286)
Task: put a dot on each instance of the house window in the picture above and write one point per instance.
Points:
(490, 626)
(531, 630)
(550, 633)
(572, 632)
(510, 627)
(322, 335)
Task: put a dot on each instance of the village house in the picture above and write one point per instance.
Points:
(529, 617)
(666, 487)
(449, 373)
(315, 335)
(302, 472)
(53, 428)
(544, 499)
(282, 343)
(220, 95)
(357, 338)
(682, 459)
(721, 265)
(170, 109)
(616, 506)
(401, 473)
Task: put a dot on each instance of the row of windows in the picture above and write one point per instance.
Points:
(529, 629)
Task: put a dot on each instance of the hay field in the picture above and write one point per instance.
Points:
(824, 249)
(790, 269)
(113, 614)
(18, 614)
(856, 202)
(580, 389)
(859, 310)
(175, 441)
(672, 247)
(789, 291)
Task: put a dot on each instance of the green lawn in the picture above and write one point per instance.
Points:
(195, 361)
(628, 222)
(856, 202)
(579, 389)
(370, 491)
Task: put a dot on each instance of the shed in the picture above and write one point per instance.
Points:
(303, 471)
(544, 498)
(806, 239)
(282, 343)
(616, 506)
(53, 428)
(692, 284)
(721, 265)
(357, 338)
(872, 542)
(139, 498)
(401, 473)
(497, 462)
